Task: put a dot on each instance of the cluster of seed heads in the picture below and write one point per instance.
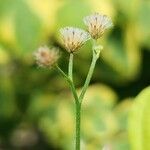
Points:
(73, 38)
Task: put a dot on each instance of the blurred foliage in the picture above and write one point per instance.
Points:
(101, 119)
(32, 113)
(139, 121)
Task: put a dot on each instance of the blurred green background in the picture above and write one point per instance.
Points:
(36, 108)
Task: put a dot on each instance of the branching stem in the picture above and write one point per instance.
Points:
(78, 100)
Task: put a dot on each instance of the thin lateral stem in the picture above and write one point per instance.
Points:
(88, 78)
(91, 70)
(70, 83)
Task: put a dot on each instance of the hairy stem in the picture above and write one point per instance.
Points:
(72, 87)
(78, 124)
(77, 106)
(70, 68)
(96, 51)
(88, 78)
(78, 100)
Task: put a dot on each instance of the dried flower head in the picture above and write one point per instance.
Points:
(97, 24)
(46, 57)
(73, 38)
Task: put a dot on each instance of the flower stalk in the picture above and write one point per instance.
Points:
(72, 87)
(96, 53)
(78, 100)
(73, 39)
(81, 97)
(70, 68)
(78, 125)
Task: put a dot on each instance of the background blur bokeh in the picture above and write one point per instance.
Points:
(36, 108)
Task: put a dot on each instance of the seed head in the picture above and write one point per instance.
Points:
(46, 57)
(73, 38)
(97, 24)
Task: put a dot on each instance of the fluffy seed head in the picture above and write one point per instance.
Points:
(73, 38)
(97, 24)
(46, 57)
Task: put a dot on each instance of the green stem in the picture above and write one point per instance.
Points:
(77, 109)
(88, 78)
(78, 100)
(77, 106)
(96, 51)
(70, 83)
(70, 68)
(78, 123)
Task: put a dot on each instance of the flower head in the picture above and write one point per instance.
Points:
(73, 38)
(46, 57)
(97, 24)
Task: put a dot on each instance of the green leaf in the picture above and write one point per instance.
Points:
(28, 28)
(144, 23)
(139, 122)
